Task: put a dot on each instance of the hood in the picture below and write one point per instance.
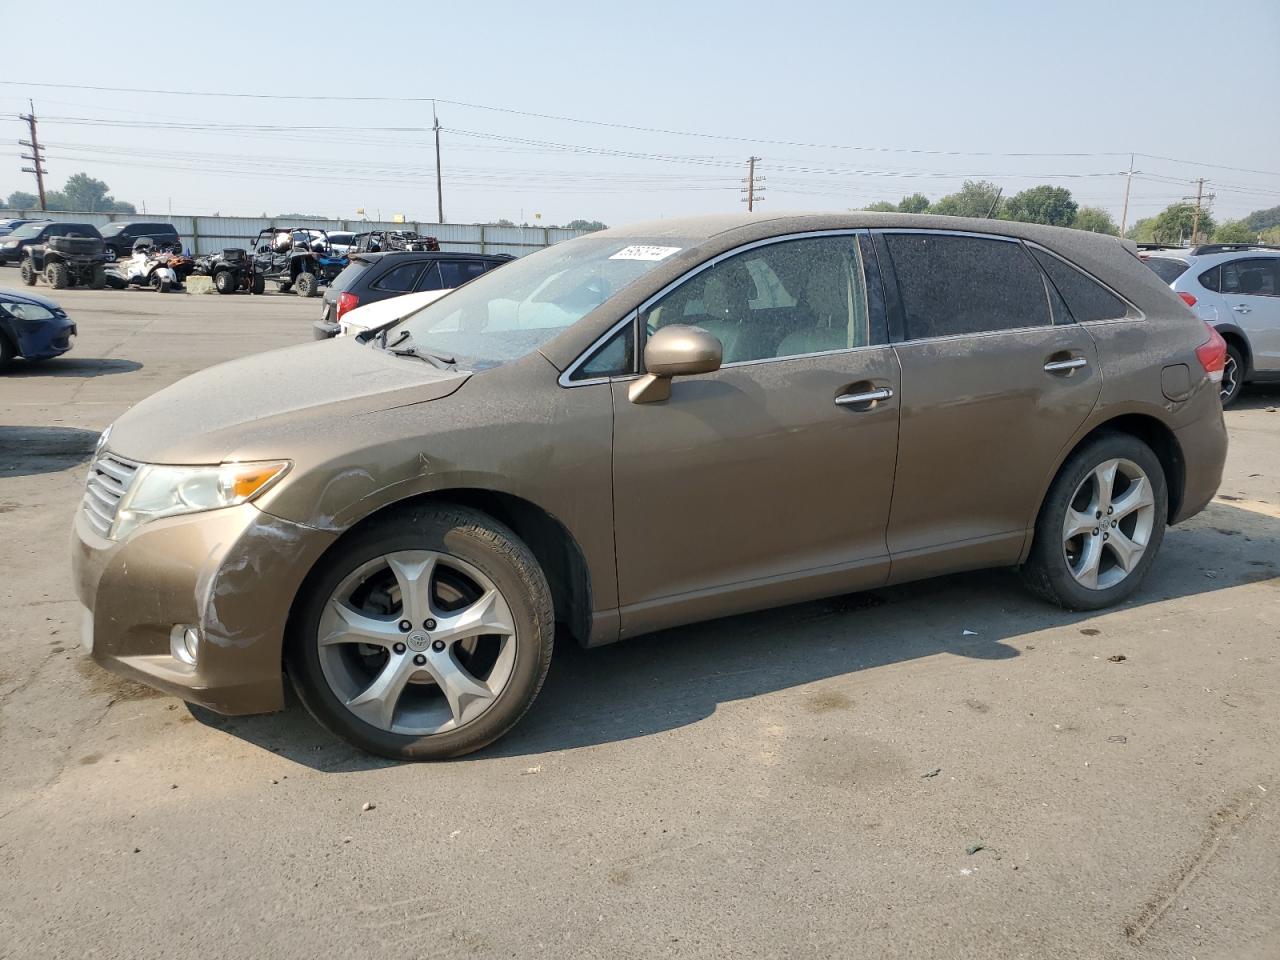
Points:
(20, 296)
(263, 406)
(388, 311)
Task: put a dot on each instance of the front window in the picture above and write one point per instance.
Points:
(505, 314)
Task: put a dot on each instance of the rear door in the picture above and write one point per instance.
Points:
(992, 389)
(1251, 289)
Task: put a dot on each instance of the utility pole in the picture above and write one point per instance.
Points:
(439, 187)
(1124, 217)
(1195, 219)
(752, 194)
(37, 161)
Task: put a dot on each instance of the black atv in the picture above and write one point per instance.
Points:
(388, 241)
(300, 259)
(66, 261)
(232, 269)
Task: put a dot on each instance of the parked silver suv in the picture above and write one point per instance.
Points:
(1236, 288)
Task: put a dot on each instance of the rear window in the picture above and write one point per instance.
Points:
(1166, 269)
(348, 277)
(1086, 298)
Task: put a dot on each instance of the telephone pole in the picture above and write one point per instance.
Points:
(1124, 217)
(752, 194)
(439, 186)
(36, 159)
(1195, 219)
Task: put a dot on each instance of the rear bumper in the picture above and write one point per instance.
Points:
(230, 573)
(1204, 453)
(324, 330)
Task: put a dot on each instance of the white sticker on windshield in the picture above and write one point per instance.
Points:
(642, 251)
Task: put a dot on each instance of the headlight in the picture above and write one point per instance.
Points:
(11, 244)
(162, 491)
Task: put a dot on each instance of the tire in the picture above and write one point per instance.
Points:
(284, 286)
(112, 255)
(1232, 376)
(7, 351)
(306, 285)
(224, 281)
(470, 548)
(1058, 568)
(258, 284)
(57, 276)
(160, 284)
(29, 274)
(98, 277)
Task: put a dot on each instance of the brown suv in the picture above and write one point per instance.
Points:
(640, 428)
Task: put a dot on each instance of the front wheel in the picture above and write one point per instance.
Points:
(1100, 526)
(1232, 377)
(58, 276)
(224, 281)
(423, 636)
(284, 286)
(160, 284)
(258, 284)
(306, 285)
(28, 272)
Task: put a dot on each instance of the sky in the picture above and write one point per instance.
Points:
(624, 112)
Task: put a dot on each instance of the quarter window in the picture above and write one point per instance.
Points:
(1211, 279)
(952, 285)
(1087, 299)
(779, 300)
(1251, 278)
(399, 279)
(614, 358)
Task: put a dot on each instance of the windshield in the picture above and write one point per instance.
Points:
(113, 229)
(504, 314)
(28, 230)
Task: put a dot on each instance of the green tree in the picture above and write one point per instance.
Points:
(85, 194)
(916, 203)
(1042, 204)
(1261, 220)
(977, 198)
(591, 225)
(21, 200)
(1234, 231)
(1095, 220)
(1143, 231)
(882, 206)
(1173, 224)
(1271, 235)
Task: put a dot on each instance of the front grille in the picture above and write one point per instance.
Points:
(109, 480)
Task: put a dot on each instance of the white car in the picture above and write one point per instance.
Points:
(385, 311)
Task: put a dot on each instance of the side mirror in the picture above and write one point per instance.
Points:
(675, 351)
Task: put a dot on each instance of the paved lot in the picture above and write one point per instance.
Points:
(805, 782)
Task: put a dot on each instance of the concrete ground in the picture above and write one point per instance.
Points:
(949, 769)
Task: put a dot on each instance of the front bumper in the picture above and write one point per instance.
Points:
(231, 573)
(44, 339)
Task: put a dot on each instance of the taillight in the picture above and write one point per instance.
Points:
(1188, 299)
(1212, 355)
(346, 301)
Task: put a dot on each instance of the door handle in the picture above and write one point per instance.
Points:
(870, 396)
(1065, 366)
(1241, 308)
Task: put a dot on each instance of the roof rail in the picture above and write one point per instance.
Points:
(1207, 248)
(1161, 246)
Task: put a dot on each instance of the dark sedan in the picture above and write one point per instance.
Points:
(32, 327)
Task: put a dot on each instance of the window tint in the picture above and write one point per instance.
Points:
(1211, 279)
(400, 278)
(347, 278)
(1166, 268)
(615, 358)
(1252, 278)
(430, 279)
(956, 285)
(1088, 299)
(454, 273)
(780, 300)
(84, 229)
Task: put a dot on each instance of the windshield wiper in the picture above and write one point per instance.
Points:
(409, 350)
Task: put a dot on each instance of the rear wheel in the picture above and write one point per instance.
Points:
(98, 277)
(160, 284)
(258, 284)
(1100, 526)
(57, 276)
(306, 285)
(28, 273)
(1232, 377)
(284, 286)
(224, 281)
(425, 635)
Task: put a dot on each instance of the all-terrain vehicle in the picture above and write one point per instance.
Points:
(66, 261)
(299, 259)
(158, 266)
(232, 270)
(387, 241)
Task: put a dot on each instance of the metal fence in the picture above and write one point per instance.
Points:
(211, 234)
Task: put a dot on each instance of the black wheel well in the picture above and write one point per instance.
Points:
(1162, 443)
(553, 546)
(1241, 343)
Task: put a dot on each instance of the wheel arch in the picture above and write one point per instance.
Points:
(553, 546)
(1152, 431)
(1236, 338)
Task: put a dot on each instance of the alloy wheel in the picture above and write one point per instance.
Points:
(1108, 524)
(417, 642)
(1230, 371)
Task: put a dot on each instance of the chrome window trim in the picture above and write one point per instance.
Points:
(564, 378)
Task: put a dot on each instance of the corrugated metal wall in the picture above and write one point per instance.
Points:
(211, 234)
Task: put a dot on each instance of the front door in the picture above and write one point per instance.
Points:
(767, 481)
(1251, 289)
(992, 390)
